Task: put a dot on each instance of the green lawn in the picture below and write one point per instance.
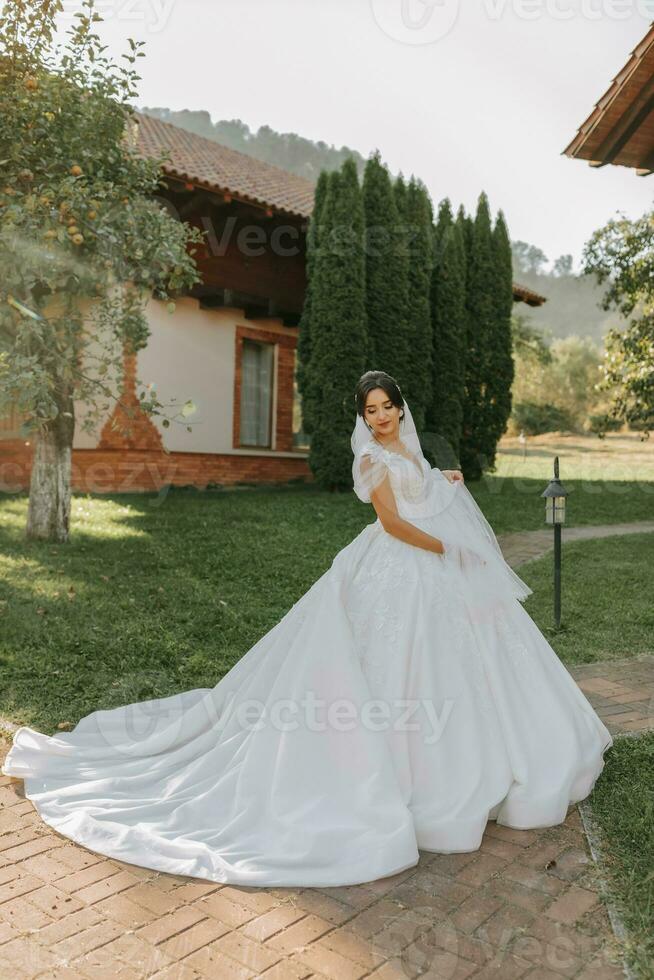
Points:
(158, 594)
(622, 804)
(606, 598)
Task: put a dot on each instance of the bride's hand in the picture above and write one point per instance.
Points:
(453, 475)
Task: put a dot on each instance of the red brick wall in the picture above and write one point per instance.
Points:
(128, 470)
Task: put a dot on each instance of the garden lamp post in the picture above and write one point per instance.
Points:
(555, 494)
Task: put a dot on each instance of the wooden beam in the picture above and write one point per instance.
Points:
(627, 125)
(647, 165)
(254, 307)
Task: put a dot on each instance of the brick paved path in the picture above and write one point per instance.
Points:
(525, 905)
(522, 546)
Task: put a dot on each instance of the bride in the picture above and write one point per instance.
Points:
(406, 699)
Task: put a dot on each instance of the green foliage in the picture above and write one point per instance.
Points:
(534, 418)
(448, 311)
(500, 369)
(419, 217)
(338, 328)
(621, 255)
(304, 344)
(437, 298)
(477, 443)
(387, 270)
(83, 240)
(564, 372)
(623, 806)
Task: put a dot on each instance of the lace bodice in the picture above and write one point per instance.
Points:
(418, 488)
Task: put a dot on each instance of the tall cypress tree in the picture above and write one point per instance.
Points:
(402, 246)
(501, 368)
(304, 345)
(386, 274)
(419, 219)
(338, 328)
(477, 439)
(400, 195)
(467, 226)
(443, 222)
(449, 323)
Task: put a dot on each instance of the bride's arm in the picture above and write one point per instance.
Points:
(383, 500)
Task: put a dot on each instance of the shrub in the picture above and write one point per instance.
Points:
(535, 419)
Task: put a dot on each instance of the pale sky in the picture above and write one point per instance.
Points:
(481, 95)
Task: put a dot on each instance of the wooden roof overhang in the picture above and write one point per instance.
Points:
(523, 295)
(254, 216)
(253, 257)
(620, 129)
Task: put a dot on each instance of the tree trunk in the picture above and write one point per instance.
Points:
(48, 516)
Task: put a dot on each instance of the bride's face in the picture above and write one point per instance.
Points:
(381, 414)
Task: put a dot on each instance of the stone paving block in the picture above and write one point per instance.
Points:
(22, 915)
(256, 956)
(151, 898)
(264, 926)
(226, 910)
(86, 941)
(22, 884)
(100, 964)
(353, 946)
(259, 900)
(106, 887)
(375, 918)
(300, 934)
(54, 902)
(179, 971)
(143, 958)
(320, 958)
(121, 909)
(315, 902)
(86, 876)
(572, 905)
(165, 926)
(211, 963)
(70, 925)
(199, 935)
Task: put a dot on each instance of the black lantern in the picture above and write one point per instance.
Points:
(555, 494)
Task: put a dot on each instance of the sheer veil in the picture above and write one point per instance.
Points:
(361, 434)
(369, 465)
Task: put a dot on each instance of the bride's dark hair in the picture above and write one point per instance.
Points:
(377, 379)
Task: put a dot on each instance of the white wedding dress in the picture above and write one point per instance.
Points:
(403, 701)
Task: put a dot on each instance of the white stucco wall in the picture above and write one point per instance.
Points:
(190, 355)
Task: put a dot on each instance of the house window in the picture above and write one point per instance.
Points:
(257, 363)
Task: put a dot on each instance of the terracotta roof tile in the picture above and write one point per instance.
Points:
(217, 167)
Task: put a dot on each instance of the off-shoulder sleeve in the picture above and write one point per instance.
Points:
(369, 470)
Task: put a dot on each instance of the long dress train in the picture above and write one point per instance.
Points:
(403, 701)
